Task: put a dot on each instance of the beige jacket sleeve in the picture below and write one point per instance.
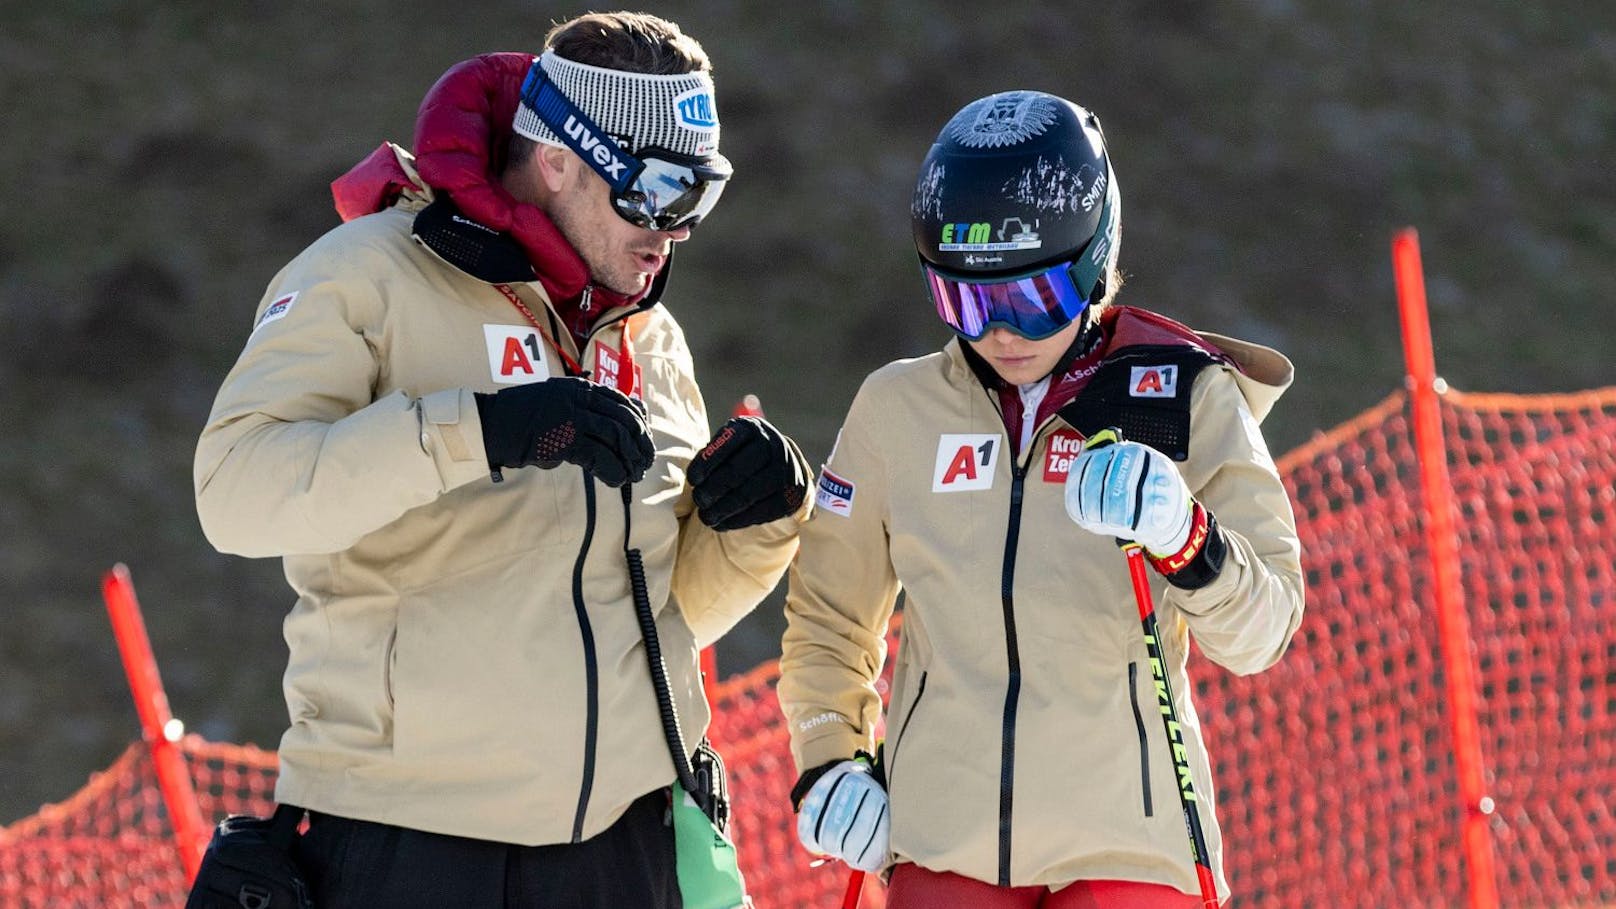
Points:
(718, 578)
(1244, 618)
(840, 596)
(298, 457)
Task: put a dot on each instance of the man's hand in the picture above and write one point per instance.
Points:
(568, 420)
(750, 473)
(844, 815)
(1132, 492)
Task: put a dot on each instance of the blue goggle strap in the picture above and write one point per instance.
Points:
(579, 133)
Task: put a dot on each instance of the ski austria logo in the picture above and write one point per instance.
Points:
(694, 110)
(515, 356)
(835, 494)
(1004, 119)
(965, 461)
(276, 310)
(1153, 382)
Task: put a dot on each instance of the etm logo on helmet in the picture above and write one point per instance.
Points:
(694, 110)
(962, 233)
(604, 152)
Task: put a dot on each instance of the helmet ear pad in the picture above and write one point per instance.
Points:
(1017, 181)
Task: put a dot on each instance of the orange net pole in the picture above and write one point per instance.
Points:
(1453, 628)
(157, 724)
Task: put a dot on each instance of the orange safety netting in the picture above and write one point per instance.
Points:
(1334, 769)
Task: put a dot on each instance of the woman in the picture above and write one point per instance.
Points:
(1024, 762)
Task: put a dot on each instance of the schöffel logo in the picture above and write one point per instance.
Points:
(694, 110)
(590, 145)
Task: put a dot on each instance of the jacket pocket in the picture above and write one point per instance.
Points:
(389, 666)
(1144, 743)
(889, 760)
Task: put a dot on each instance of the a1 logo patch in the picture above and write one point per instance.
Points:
(1064, 446)
(516, 355)
(965, 461)
(1153, 382)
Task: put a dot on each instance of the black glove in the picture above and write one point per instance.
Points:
(750, 473)
(567, 419)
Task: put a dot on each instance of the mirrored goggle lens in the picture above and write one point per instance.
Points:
(1034, 306)
(668, 195)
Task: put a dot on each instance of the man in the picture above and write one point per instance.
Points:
(435, 416)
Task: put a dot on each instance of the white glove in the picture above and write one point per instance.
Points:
(845, 816)
(1133, 492)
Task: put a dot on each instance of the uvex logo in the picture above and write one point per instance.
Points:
(591, 145)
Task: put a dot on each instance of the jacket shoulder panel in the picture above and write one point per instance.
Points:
(1144, 391)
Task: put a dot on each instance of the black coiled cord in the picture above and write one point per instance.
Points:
(659, 668)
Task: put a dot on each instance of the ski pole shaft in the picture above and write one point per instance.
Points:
(1187, 798)
(855, 890)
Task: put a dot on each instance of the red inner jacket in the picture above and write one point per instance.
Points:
(461, 133)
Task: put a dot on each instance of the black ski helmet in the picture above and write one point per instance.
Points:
(1014, 182)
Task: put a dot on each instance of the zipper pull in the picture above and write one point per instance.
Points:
(587, 301)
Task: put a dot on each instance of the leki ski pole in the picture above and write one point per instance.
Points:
(855, 890)
(1169, 713)
(1165, 701)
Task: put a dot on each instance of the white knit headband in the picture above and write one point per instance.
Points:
(641, 110)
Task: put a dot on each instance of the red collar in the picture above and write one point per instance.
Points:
(461, 133)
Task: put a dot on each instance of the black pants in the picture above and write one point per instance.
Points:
(363, 865)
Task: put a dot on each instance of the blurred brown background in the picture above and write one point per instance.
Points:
(161, 161)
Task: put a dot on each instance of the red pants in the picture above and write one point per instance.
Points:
(914, 887)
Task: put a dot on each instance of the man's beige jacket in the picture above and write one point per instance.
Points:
(464, 654)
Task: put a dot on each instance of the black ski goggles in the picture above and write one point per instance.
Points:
(658, 190)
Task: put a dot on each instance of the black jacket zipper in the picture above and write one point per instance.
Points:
(591, 667)
(1012, 692)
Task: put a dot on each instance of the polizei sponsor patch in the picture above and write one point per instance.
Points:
(835, 494)
(276, 310)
